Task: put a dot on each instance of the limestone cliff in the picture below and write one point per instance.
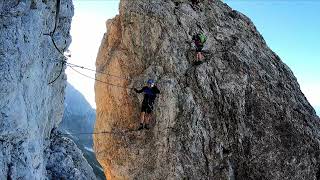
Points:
(30, 107)
(239, 115)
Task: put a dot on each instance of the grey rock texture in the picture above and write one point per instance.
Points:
(239, 115)
(30, 108)
(65, 160)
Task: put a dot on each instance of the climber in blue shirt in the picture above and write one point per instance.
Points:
(150, 94)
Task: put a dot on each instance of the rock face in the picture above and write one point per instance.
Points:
(239, 115)
(30, 107)
(77, 123)
(65, 160)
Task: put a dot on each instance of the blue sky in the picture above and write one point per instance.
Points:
(290, 27)
(87, 30)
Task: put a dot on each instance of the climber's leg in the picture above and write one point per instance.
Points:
(201, 56)
(199, 53)
(141, 120)
(147, 120)
(198, 56)
(142, 116)
(148, 116)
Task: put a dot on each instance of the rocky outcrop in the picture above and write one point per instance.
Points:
(65, 160)
(239, 115)
(30, 106)
(78, 123)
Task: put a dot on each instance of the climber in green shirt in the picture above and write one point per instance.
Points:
(199, 40)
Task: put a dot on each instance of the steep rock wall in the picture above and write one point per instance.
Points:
(239, 115)
(30, 107)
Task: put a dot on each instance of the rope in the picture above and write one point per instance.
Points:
(55, 28)
(62, 65)
(57, 16)
(98, 80)
(54, 43)
(99, 72)
(56, 19)
(103, 132)
(51, 34)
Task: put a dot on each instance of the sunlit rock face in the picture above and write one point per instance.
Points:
(30, 107)
(239, 115)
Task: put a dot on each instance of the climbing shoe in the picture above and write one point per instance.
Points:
(147, 126)
(140, 127)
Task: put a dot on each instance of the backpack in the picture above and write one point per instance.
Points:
(202, 38)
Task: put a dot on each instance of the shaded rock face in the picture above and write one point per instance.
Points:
(66, 161)
(239, 115)
(30, 107)
(78, 116)
(77, 123)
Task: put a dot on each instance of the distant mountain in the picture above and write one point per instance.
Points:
(79, 116)
(78, 122)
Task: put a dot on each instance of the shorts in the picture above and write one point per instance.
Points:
(199, 48)
(147, 108)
